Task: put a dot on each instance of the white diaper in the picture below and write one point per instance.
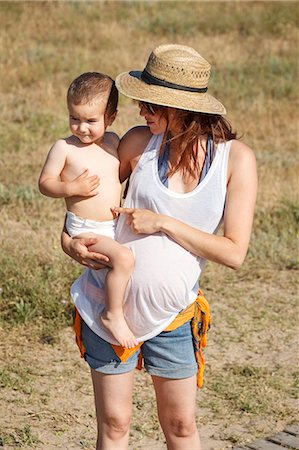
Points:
(77, 225)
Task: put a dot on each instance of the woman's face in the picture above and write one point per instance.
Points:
(155, 119)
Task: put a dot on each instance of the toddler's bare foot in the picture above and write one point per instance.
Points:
(116, 324)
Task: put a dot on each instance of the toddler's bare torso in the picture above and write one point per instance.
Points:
(101, 160)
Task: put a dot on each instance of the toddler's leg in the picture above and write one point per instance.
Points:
(121, 266)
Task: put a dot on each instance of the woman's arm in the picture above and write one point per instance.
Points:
(229, 249)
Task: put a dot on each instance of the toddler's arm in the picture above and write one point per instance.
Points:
(50, 183)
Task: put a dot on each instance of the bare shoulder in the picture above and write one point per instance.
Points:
(111, 139)
(241, 151)
(110, 143)
(62, 145)
(242, 160)
(241, 155)
(63, 142)
(134, 141)
(137, 134)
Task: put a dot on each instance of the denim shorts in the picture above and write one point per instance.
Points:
(168, 355)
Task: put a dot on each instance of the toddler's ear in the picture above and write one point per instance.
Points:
(111, 119)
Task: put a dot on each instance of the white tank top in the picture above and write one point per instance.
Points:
(165, 278)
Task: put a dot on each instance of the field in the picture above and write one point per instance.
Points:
(251, 377)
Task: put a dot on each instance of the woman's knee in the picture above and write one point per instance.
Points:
(181, 426)
(117, 426)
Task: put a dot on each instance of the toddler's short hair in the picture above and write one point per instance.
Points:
(89, 85)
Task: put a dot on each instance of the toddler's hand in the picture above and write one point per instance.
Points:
(84, 186)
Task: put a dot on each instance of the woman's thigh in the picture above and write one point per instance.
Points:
(113, 397)
(170, 359)
(176, 403)
(112, 381)
(176, 398)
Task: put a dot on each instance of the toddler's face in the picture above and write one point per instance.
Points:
(87, 121)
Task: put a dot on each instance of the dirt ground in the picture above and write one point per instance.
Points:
(47, 399)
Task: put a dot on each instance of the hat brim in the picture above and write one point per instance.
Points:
(131, 85)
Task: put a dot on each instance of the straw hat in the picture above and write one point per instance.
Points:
(176, 76)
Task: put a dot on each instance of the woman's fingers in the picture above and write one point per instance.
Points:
(141, 221)
(121, 210)
(92, 264)
(87, 257)
(128, 211)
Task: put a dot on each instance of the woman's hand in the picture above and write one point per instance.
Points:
(141, 221)
(78, 249)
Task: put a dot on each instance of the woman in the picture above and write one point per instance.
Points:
(188, 175)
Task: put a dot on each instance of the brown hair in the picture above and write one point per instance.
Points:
(192, 125)
(88, 86)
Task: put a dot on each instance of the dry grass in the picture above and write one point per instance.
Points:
(252, 369)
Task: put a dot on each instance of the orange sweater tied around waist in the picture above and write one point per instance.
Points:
(199, 314)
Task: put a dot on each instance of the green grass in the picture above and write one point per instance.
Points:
(274, 236)
(206, 21)
(37, 292)
(241, 389)
(19, 438)
(16, 377)
(268, 77)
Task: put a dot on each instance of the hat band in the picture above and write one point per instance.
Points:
(150, 79)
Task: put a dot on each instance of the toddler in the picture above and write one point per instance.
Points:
(84, 169)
